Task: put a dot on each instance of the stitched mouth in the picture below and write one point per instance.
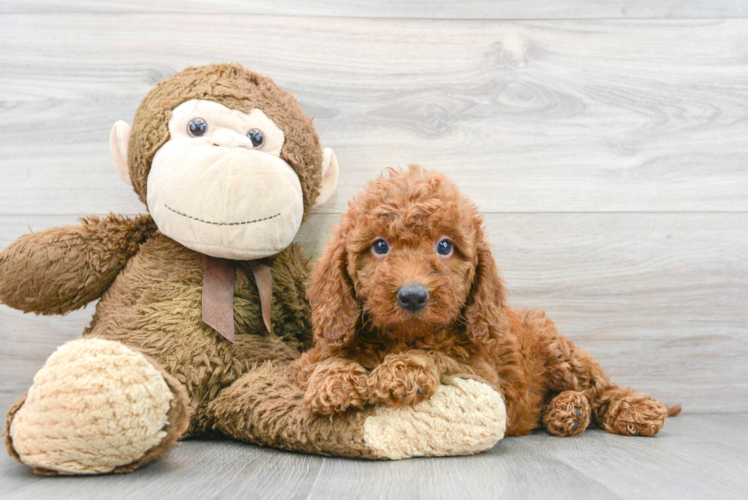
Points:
(222, 223)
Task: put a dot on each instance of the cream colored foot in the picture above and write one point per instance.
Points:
(96, 406)
(462, 418)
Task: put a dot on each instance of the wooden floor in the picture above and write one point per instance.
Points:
(696, 456)
(606, 143)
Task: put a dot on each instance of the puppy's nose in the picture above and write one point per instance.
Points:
(413, 296)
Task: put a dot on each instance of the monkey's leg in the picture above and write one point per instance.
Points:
(616, 409)
(96, 407)
(266, 406)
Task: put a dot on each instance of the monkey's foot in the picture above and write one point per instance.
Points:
(463, 417)
(96, 407)
(568, 414)
(635, 415)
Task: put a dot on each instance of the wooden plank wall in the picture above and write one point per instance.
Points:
(606, 143)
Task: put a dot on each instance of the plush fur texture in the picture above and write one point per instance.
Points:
(150, 313)
(370, 350)
(43, 274)
(150, 287)
(266, 406)
(116, 374)
(236, 88)
(244, 390)
(152, 301)
(472, 421)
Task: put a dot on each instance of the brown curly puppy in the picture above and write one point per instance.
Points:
(407, 292)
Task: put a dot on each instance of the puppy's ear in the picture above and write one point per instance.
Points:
(335, 310)
(484, 313)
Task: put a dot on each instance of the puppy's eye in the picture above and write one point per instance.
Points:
(257, 137)
(444, 247)
(197, 127)
(380, 248)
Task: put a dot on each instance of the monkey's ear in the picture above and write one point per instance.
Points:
(329, 177)
(118, 142)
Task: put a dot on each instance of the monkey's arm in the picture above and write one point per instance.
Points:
(62, 269)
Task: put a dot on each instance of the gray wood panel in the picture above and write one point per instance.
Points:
(597, 465)
(609, 156)
(528, 116)
(690, 458)
(659, 299)
(419, 9)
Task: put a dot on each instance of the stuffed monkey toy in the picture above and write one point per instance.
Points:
(202, 302)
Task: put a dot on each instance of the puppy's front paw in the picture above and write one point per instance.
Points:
(568, 414)
(403, 379)
(336, 386)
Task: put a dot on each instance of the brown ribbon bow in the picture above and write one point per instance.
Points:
(218, 293)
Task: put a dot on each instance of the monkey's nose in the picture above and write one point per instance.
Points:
(413, 296)
(230, 139)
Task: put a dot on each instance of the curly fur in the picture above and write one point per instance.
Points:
(369, 350)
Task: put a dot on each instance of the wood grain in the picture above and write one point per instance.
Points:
(689, 459)
(606, 142)
(659, 299)
(595, 465)
(419, 9)
(528, 116)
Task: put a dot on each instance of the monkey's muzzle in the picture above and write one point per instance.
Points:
(216, 200)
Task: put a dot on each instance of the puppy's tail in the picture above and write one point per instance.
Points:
(674, 411)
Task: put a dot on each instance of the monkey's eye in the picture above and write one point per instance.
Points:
(444, 247)
(380, 248)
(257, 137)
(197, 127)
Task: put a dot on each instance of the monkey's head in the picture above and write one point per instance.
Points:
(226, 161)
